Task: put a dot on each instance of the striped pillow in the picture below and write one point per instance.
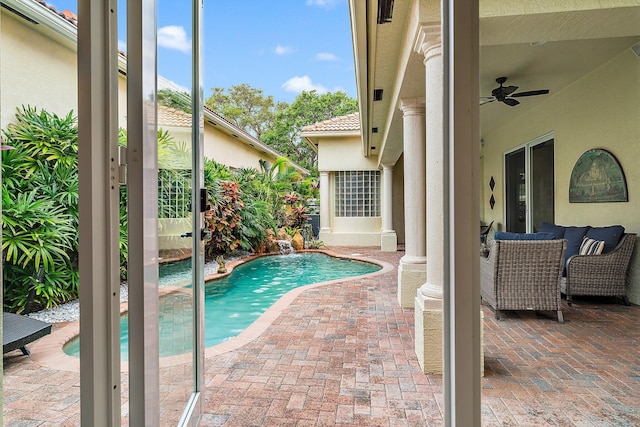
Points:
(591, 247)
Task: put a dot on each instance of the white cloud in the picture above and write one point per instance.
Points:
(122, 46)
(325, 56)
(301, 84)
(282, 50)
(322, 3)
(174, 37)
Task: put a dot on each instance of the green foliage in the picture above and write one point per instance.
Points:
(306, 109)
(40, 210)
(175, 99)
(279, 124)
(245, 106)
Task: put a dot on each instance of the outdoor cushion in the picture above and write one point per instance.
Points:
(591, 247)
(557, 230)
(504, 235)
(574, 236)
(610, 235)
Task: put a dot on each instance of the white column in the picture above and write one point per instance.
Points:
(388, 237)
(412, 268)
(324, 202)
(428, 301)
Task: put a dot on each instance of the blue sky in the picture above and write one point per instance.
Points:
(281, 47)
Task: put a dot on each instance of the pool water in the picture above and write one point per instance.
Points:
(234, 302)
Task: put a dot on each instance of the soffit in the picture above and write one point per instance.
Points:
(576, 44)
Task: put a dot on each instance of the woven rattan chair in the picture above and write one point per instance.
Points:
(600, 275)
(523, 275)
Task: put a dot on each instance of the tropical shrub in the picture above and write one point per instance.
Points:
(223, 220)
(40, 210)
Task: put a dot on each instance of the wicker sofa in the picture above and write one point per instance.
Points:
(594, 275)
(523, 275)
(600, 275)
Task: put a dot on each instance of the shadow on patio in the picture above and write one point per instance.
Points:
(343, 354)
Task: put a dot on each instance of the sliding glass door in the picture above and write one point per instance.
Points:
(529, 186)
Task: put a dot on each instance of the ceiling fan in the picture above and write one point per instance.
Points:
(506, 94)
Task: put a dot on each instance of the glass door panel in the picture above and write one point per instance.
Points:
(179, 182)
(515, 191)
(529, 186)
(542, 189)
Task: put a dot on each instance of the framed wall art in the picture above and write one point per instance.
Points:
(597, 177)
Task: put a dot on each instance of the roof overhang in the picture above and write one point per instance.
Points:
(31, 11)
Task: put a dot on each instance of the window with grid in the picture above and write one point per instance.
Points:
(357, 193)
(174, 193)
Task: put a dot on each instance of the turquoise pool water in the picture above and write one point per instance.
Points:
(234, 302)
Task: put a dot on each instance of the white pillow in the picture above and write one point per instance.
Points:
(591, 247)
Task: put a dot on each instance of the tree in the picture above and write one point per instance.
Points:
(245, 106)
(306, 109)
(279, 124)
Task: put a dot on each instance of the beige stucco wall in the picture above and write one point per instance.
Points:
(398, 199)
(601, 110)
(226, 149)
(345, 154)
(35, 71)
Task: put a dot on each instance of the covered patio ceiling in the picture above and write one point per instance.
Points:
(533, 50)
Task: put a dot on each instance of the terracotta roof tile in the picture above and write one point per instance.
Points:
(350, 122)
(168, 116)
(67, 15)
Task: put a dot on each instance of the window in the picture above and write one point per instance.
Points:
(357, 193)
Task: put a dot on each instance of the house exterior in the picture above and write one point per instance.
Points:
(40, 58)
(46, 51)
(358, 204)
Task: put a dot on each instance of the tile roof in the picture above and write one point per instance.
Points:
(350, 122)
(67, 15)
(168, 116)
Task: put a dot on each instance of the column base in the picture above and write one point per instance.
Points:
(429, 323)
(410, 277)
(388, 241)
(429, 337)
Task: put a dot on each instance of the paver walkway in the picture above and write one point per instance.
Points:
(342, 354)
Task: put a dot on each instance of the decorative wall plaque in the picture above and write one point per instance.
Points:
(597, 177)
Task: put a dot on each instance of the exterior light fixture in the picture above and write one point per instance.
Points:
(385, 11)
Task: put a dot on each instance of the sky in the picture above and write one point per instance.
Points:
(281, 47)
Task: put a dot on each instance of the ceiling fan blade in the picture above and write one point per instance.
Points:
(487, 100)
(511, 102)
(508, 90)
(503, 91)
(531, 93)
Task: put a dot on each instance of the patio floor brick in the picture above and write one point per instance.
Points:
(343, 354)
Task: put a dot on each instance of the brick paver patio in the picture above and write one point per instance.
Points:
(342, 354)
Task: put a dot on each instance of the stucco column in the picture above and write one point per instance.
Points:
(429, 298)
(388, 237)
(412, 268)
(324, 202)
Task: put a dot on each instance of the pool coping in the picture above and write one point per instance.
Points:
(47, 351)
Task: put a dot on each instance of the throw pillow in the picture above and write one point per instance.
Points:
(611, 236)
(591, 247)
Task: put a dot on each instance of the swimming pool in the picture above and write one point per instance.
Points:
(234, 302)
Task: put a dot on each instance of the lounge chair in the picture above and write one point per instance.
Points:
(18, 331)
